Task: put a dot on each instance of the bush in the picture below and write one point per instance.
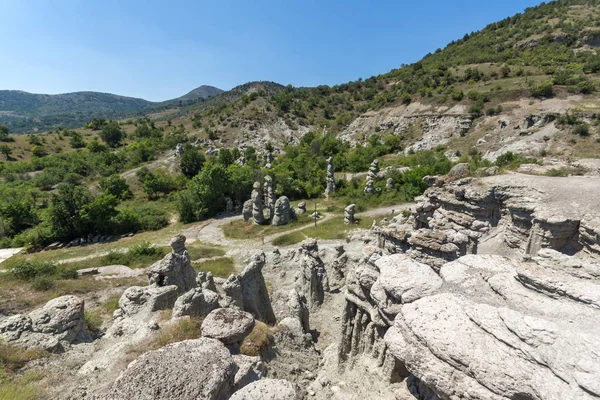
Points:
(457, 95)
(42, 283)
(112, 134)
(586, 87)
(259, 339)
(117, 186)
(191, 162)
(28, 270)
(581, 130)
(542, 89)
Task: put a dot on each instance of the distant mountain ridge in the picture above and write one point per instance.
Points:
(26, 112)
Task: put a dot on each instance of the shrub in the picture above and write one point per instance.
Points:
(117, 186)
(93, 320)
(457, 95)
(42, 283)
(259, 339)
(581, 129)
(586, 87)
(542, 89)
(28, 270)
(112, 134)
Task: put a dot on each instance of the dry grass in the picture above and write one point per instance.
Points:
(24, 387)
(199, 250)
(239, 229)
(257, 340)
(220, 267)
(16, 297)
(95, 318)
(334, 228)
(178, 331)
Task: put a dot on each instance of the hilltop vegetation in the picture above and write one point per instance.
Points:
(553, 44)
(23, 112)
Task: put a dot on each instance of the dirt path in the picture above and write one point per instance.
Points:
(5, 254)
(212, 233)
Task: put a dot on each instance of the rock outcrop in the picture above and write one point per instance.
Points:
(198, 302)
(255, 295)
(247, 210)
(269, 196)
(496, 329)
(53, 327)
(511, 215)
(266, 389)
(349, 214)
(258, 215)
(330, 188)
(371, 176)
(174, 269)
(313, 278)
(201, 369)
(301, 208)
(299, 315)
(283, 212)
(228, 325)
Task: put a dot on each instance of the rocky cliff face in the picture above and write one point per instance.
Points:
(461, 323)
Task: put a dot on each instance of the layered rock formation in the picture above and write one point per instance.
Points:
(511, 215)
(371, 176)
(460, 324)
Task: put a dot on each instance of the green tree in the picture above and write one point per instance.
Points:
(38, 151)
(96, 147)
(76, 140)
(156, 183)
(191, 161)
(97, 215)
(205, 195)
(112, 134)
(65, 211)
(4, 137)
(226, 157)
(542, 89)
(6, 150)
(116, 186)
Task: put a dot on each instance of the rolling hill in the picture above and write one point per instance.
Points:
(23, 112)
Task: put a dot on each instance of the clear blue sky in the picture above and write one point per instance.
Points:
(162, 49)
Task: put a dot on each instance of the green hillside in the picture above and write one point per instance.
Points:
(26, 112)
(556, 40)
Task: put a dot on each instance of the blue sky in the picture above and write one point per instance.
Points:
(159, 50)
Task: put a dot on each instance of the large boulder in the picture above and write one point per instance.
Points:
(200, 369)
(53, 327)
(146, 299)
(247, 210)
(197, 302)
(229, 325)
(282, 211)
(266, 389)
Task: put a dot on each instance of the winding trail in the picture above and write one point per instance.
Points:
(212, 233)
